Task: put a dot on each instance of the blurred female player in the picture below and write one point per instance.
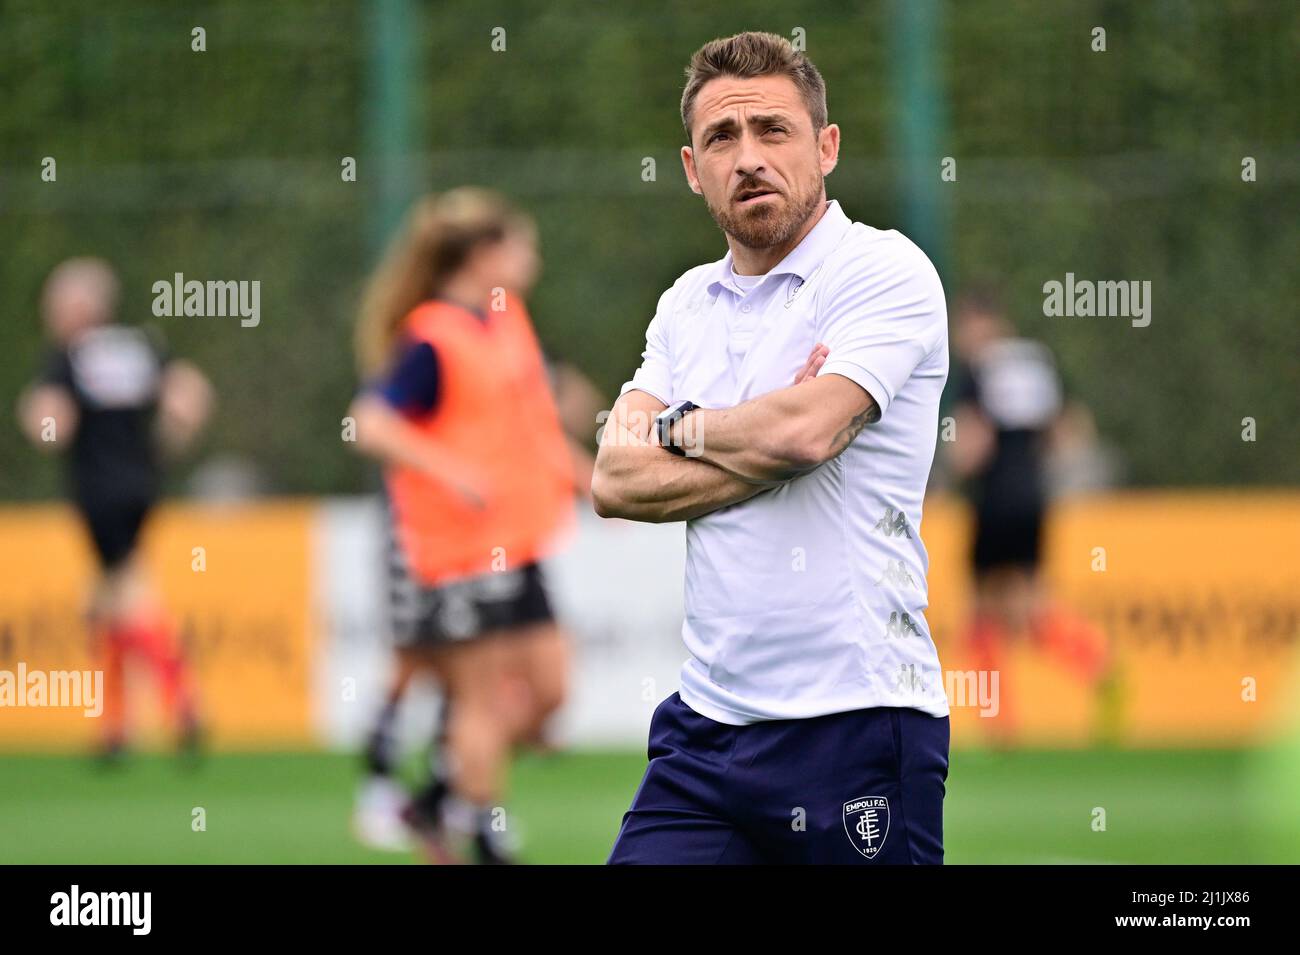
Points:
(116, 402)
(480, 481)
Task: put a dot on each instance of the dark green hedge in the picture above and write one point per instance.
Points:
(225, 164)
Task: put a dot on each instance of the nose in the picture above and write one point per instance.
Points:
(749, 159)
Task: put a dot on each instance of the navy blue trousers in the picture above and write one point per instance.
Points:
(860, 787)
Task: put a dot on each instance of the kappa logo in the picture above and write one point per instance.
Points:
(897, 574)
(866, 823)
(901, 626)
(893, 524)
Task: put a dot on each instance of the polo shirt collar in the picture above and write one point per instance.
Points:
(803, 258)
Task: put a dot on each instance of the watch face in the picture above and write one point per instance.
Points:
(664, 421)
(672, 411)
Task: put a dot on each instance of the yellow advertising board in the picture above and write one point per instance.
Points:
(237, 583)
(1196, 594)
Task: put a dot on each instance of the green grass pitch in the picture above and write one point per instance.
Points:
(1022, 807)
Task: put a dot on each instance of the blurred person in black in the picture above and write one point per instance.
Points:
(1010, 413)
(115, 402)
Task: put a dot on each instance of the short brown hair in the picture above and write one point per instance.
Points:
(754, 54)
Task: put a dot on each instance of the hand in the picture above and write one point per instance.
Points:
(816, 358)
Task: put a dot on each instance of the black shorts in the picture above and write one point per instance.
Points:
(1008, 537)
(424, 616)
(870, 784)
(114, 524)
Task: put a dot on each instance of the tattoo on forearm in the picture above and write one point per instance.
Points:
(854, 428)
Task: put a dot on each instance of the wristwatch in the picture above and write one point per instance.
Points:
(664, 423)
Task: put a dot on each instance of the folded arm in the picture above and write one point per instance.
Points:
(637, 480)
(782, 434)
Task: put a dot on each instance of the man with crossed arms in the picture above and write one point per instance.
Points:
(811, 725)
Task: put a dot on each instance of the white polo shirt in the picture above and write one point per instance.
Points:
(810, 598)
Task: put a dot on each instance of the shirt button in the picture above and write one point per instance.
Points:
(745, 308)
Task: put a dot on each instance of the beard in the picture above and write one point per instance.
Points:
(768, 224)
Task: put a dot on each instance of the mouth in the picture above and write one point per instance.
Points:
(754, 196)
